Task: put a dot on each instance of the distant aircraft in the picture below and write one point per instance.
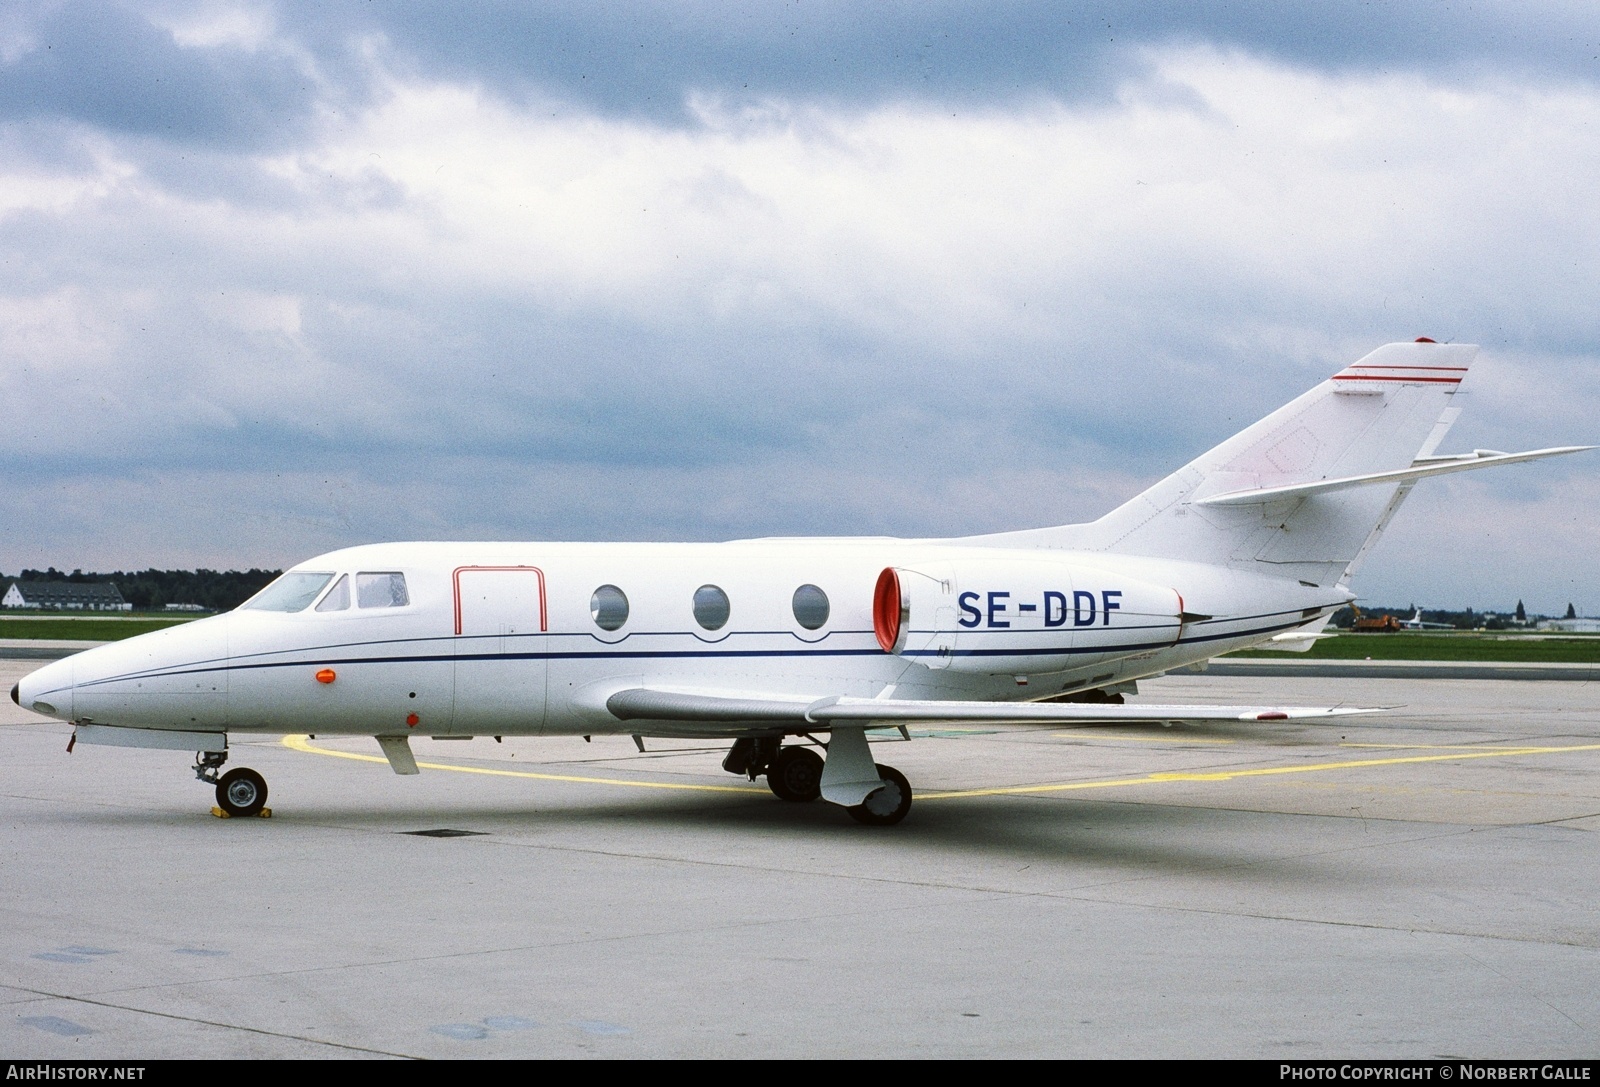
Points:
(1416, 623)
(766, 641)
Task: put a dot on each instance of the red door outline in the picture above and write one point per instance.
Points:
(455, 578)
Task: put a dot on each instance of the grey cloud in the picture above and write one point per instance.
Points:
(107, 66)
(402, 370)
(642, 59)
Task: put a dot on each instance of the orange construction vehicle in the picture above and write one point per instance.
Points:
(1373, 624)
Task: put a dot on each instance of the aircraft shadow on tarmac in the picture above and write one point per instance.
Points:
(1124, 838)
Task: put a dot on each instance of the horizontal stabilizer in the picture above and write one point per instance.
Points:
(1432, 466)
(644, 704)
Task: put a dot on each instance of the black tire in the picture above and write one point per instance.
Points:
(242, 792)
(888, 805)
(796, 775)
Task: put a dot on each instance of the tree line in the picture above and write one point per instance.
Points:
(152, 590)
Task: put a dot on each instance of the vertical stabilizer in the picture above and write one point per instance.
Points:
(1380, 414)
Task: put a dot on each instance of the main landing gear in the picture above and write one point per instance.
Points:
(888, 805)
(795, 773)
(240, 792)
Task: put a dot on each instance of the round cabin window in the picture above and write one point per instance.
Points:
(810, 607)
(711, 607)
(609, 607)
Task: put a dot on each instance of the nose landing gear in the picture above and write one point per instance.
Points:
(241, 792)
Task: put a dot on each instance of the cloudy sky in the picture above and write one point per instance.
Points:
(277, 278)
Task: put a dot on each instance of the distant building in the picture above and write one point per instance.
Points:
(1572, 626)
(65, 595)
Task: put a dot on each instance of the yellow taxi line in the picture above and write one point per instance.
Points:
(1265, 771)
(302, 743)
(1422, 747)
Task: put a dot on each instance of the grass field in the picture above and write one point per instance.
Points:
(1431, 646)
(84, 628)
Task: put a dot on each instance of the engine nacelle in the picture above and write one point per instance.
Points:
(1019, 616)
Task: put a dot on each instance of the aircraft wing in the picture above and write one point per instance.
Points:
(642, 703)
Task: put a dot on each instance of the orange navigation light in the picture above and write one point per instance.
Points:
(327, 675)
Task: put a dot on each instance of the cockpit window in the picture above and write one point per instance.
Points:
(381, 591)
(293, 591)
(338, 598)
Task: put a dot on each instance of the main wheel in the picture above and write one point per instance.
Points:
(888, 805)
(796, 774)
(242, 792)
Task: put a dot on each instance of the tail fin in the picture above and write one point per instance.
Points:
(1381, 414)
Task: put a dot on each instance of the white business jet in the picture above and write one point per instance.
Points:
(1416, 622)
(776, 644)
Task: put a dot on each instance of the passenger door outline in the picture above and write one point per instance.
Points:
(505, 690)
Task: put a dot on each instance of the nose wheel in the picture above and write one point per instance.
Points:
(242, 792)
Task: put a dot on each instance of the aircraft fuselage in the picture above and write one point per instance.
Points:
(512, 639)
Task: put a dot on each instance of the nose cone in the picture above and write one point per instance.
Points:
(174, 678)
(47, 691)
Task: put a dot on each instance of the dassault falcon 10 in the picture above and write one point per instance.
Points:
(773, 643)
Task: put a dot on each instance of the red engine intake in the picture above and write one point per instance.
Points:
(887, 609)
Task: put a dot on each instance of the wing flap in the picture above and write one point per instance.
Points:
(853, 710)
(645, 704)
